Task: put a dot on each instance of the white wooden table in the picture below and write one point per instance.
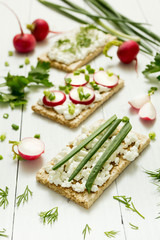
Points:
(106, 214)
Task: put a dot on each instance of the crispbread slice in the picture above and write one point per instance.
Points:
(73, 66)
(73, 123)
(86, 199)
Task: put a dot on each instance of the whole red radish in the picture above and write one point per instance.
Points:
(22, 42)
(40, 29)
(127, 51)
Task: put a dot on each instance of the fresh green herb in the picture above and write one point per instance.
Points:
(16, 155)
(66, 88)
(87, 77)
(125, 119)
(50, 95)
(81, 94)
(6, 64)
(2, 137)
(111, 234)
(1, 157)
(101, 69)
(89, 69)
(82, 38)
(71, 49)
(109, 73)
(71, 108)
(10, 53)
(21, 66)
(37, 136)
(2, 233)
(85, 142)
(133, 226)
(81, 70)
(94, 85)
(76, 73)
(15, 127)
(24, 196)
(68, 80)
(153, 67)
(152, 135)
(5, 115)
(115, 143)
(49, 216)
(155, 175)
(152, 90)
(62, 42)
(128, 204)
(95, 148)
(87, 228)
(27, 61)
(3, 197)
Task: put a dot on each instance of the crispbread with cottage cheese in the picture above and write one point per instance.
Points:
(75, 122)
(84, 198)
(73, 66)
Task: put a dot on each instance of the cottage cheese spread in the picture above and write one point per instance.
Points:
(128, 150)
(77, 44)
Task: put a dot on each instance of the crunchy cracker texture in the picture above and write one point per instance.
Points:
(75, 122)
(86, 199)
(73, 66)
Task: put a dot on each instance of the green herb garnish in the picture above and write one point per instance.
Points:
(6, 64)
(66, 88)
(62, 42)
(155, 175)
(125, 119)
(109, 73)
(101, 69)
(94, 85)
(152, 135)
(68, 80)
(3, 197)
(87, 77)
(89, 69)
(27, 61)
(111, 234)
(10, 53)
(2, 233)
(50, 95)
(153, 67)
(85, 142)
(24, 196)
(85, 230)
(15, 127)
(2, 137)
(1, 157)
(76, 73)
(37, 136)
(49, 216)
(81, 94)
(21, 66)
(133, 226)
(152, 90)
(5, 115)
(71, 108)
(128, 204)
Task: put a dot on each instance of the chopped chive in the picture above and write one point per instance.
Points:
(15, 127)
(2, 137)
(1, 157)
(37, 136)
(95, 148)
(85, 142)
(27, 61)
(101, 69)
(71, 108)
(5, 115)
(110, 74)
(6, 64)
(152, 135)
(87, 77)
(109, 151)
(76, 73)
(21, 66)
(81, 70)
(125, 119)
(10, 53)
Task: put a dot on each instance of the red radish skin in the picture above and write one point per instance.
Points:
(77, 80)
(59, 100)
(74, 97)
(127, 52)
(148, 112)
(102, 78)
(139, 101)
(40, 29)
(30, 148)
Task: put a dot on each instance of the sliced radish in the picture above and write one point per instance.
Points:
(30, 148)
(74, 96)
(60, 98)
(139, 101)
(103, 79)
(147, 112)
(77, 80)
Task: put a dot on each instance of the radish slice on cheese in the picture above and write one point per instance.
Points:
(139, 101)
(77, 80)
(74, 96)
(103, 79)
(60, 98)
(30, 148)
(147, 112)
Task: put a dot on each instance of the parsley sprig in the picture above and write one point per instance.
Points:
(153, 67)
(85, 230)
(111, 234)
(49, 216)
(2, 233)
(24, 196)
(128, 204)
(3, 197)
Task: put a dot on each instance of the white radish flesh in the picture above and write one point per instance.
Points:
(139, 101)
(74, 96)
(30, 148)
(147, 112)
(77, 80)
(60, 98)
(103, 79)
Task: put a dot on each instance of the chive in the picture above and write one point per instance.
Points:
(15, 127)
(85, 142)
(6, 64)
(1, 157)
(37, 136)
(21, 66)
(125, 119)
(152, 135)
(5, 115)
(87, 77)
(27, 61)
(101, 69)
(10, 53)
(108, 132)
(109, 151)
(2, 137)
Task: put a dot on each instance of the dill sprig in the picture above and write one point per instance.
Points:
(155, 175)
(24, 196)
(2, 233)
(111, 234)
(49, 216)
(128, 204)
(3, 197)
(87, 228)
(134, 227)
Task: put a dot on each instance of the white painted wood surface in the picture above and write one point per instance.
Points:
(106, 214)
